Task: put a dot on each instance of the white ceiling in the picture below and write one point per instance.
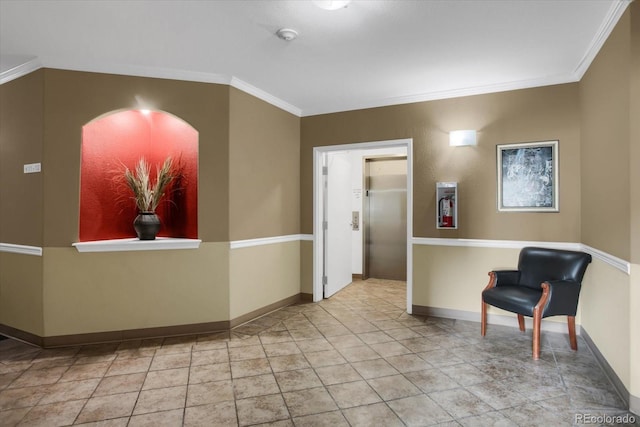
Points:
(371, 53)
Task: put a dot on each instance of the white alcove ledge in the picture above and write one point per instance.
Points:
(134, 244)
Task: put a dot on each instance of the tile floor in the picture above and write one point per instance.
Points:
(356, 359)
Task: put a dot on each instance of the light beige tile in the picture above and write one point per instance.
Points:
(95, 359)
(281, 349)
(158, 419)
(408, 363)
(208, 373)
(113, 422)
(13, 398)
(129, 366)
(221, 414)
(288, 363)
(305, 334)
(161, 399)
(388, 349)
(297, 380)
(39, 377)
(72, 390)
(54, 414)
(6, 379)
(246, 353)
(208, 357)
(376, 337)
(328, 419)
(337, 374)
(372, 415)
(356, 393)
(258, 385)
(374, 368)
(341, 342)
(244, 341)
(419, 410)
(393, 387)
(166, 378)
(120, 384)
(107, 407)
(325, 358)
(358, 353)
(171, 361)
(211, 392)
(261, 409)
(314, 345)
(12, 417)
(309, 401)
(271, 337)
(459, 402)
(83, 372)
(246, 368)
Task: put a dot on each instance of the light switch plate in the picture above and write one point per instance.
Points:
(32, 168)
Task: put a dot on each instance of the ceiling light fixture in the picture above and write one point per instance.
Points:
(287, 34)
(331, 4)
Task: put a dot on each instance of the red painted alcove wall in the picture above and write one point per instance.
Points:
(119, 139)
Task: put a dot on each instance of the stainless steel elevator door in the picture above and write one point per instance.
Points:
(385, 242)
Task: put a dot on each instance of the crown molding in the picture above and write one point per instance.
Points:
(20, 70)
(608, 24)
(266, 97)
(445, 94)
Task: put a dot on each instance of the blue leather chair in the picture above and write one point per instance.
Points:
(546, 283)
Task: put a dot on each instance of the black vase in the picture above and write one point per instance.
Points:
(147, 225)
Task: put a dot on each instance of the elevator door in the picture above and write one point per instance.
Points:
(385, 243)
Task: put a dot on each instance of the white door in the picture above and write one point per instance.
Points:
(338, 216)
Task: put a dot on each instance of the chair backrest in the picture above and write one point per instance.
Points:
(538, 265)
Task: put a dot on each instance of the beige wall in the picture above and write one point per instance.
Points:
(439, 282)
(306, 267)
(21, 292)
(74, 98)
(606, 314)
(634, 160)
(84, 293)
(264, 201)
(248, 169)
(545, 113)
(21, 195)
(263, 275)
(604, 101)
(610, 175)
(264, 169)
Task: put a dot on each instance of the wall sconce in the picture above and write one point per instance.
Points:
(458, 138)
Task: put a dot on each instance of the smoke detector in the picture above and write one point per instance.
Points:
(287, 34)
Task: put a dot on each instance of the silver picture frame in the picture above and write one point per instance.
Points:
(528, 177)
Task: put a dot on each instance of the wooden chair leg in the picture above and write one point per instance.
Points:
(483, 319)
(571, 320)
(521, 322)
(537, 318)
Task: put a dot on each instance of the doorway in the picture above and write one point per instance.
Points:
(385, 218)
(322, 229)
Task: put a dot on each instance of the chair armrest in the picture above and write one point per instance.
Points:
(562, 299)
(507, 277)
(502, 277)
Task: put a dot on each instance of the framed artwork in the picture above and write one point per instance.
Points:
(528, 177)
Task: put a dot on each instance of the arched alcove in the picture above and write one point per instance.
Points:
(117, 140)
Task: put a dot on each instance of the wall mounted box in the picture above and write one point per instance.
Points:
(447, 205)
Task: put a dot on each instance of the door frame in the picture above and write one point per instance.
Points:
(319, 202)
